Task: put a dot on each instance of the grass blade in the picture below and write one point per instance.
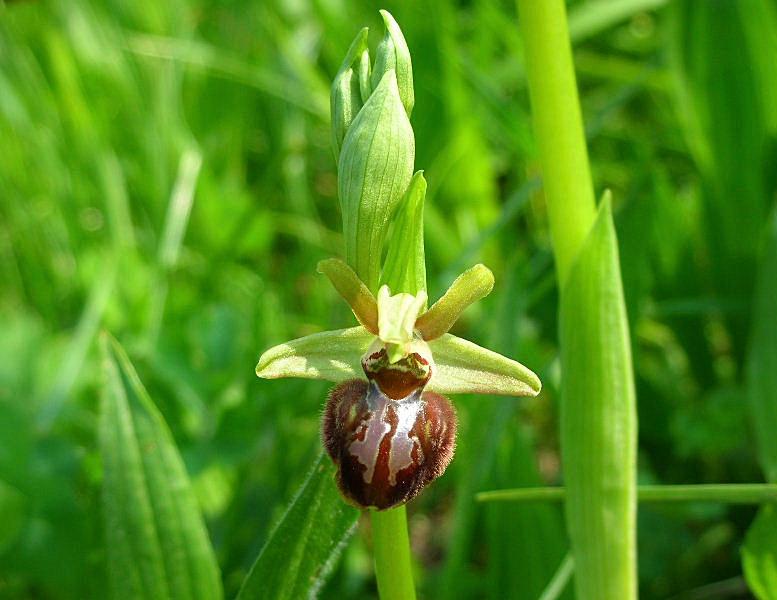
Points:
(157, 543)
(729, 493)
(305, 544)
(598, 419)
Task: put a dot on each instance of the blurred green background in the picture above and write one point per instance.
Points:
(166, 175)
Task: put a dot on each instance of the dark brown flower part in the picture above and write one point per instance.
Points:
(387, 450)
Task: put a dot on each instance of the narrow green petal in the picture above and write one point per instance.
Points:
(462, 367)
(405, 267)
(331, 355)
(353, 291)
(472, 285)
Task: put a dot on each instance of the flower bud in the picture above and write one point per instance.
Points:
(387, 450)
(393, 53)
(375, 167)
(348, 89)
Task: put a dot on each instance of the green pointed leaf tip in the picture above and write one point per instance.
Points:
(598, 418)
(331, 355)
(469, 287)
(157, 543)
(404, 269)
(353, 291)
(346, 97)
(304, 546)
(376, 164)
(393, 53)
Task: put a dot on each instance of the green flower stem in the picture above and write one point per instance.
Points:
(392, 554)
(598, 417)
(559, 127)
(735, 493)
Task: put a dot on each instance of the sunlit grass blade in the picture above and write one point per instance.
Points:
(304, 546)
(598, 419)
(157, 543)
(560, 579)
(723, 493)
(598, 404)
(759, 554)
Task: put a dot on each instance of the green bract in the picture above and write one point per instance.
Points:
(376, 163)
(373, 143)
(460, 366)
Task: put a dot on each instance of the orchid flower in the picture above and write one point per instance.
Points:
(387, 425)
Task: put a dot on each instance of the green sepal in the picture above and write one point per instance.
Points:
(353, 291)
(376, 164)
(393, 53)
(346, 97)
(331, 355)
(404, 269)
(472, 285)
(462, 367)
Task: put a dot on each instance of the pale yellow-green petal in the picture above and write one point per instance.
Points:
(397, 314)
(331, 355)
(462, 367)
(353, 291)
(472, 285)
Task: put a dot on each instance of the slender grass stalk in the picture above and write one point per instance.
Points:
(558, 583)
(392, 554)
(559, 127)
(734, 493)
(598, 405)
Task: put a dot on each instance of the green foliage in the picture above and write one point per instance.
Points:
(598, 418)
(102, 102)
(304, 546)
(375, 167)
(758, 554)
(155, 538)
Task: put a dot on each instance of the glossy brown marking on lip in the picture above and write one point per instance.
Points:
(387, 450)
(400, 379)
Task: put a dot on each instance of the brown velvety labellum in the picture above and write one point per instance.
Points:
(387, 450)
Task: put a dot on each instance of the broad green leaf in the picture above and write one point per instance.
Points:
(462, 367)
(332, 355)
(759, 554)
(157, 543)
(376, 164)
(304, 546)
(472, 285)
(405, 267)
(598, 419)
